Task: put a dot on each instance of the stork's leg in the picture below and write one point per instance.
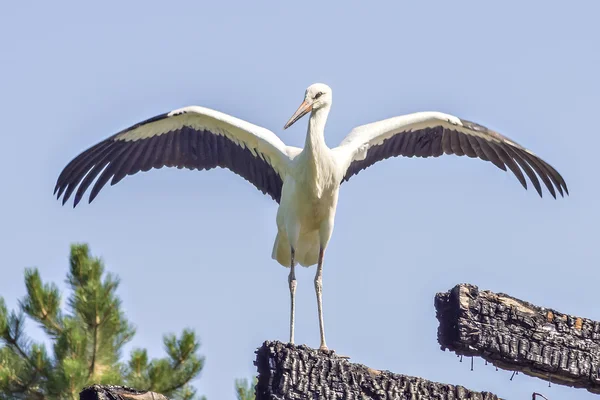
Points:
(292, 283)
(319, 291)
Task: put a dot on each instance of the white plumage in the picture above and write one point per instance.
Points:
(305, 182)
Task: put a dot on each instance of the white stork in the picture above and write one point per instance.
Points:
(305, 182)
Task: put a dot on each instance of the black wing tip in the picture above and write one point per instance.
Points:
(552, 179)
(557, 180)
(523, 183)
(61, 187)
(76, 199)
(562, 190)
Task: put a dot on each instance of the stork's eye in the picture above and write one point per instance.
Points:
(318, 95)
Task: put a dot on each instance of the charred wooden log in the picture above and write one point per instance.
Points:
(518, 336)
(111, 392)
(289, 372)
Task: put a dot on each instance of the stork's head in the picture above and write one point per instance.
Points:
(317, 95)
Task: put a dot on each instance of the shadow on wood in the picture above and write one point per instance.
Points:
(289, 372)
(518, 336)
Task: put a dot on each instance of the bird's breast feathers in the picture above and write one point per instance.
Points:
(316, 177)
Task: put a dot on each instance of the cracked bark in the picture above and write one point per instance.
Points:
(290, 372)
(112, 392)
(518, 336)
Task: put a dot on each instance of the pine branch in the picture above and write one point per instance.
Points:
(94, 351)
(515, 335)
(168, 375)
(25, 387)
(177, 386)
(16, 322)
(96, 323)
(289, 372)
(15, 345)
(21, 366)
(52, 325)
(87, 341)
(245, 390)
(42, 302)
(12, 377)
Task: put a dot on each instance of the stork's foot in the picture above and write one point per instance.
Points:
(329, 352)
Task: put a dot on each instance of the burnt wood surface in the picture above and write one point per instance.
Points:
(518, 336)
(290, 372)
(112, 392)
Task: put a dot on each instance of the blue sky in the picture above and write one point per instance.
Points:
(193, 248)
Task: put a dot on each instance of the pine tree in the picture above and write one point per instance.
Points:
(87, 338)
(245, 390)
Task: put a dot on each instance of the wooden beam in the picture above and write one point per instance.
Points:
(518, 336)
(289, 372)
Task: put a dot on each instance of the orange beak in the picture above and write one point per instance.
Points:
(304, 109)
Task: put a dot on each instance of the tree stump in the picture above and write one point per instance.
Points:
(290, 372)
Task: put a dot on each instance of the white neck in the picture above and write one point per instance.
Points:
(315, 137)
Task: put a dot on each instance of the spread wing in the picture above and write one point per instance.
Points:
(431, 134)
(191, 137)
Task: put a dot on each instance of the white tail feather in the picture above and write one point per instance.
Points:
(307, 251)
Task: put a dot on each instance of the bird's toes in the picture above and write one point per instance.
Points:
(329, 352)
